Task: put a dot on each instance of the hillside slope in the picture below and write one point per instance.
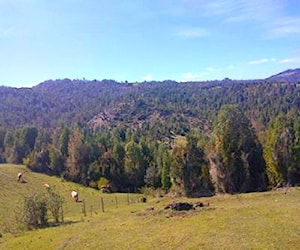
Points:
(52, 102)
(13, 193)
(246, 221)
(290, 76)
(111, 104)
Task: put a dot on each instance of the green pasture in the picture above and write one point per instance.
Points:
(267, 220)
(12, 195)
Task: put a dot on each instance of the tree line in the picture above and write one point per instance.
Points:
(231, 157)
(156, 106)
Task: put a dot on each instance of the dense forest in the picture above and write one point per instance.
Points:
(188, 138)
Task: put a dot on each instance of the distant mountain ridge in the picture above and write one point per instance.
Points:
(290, 75)
(162, 105)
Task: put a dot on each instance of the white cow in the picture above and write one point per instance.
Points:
(74, 195)
(20, 177)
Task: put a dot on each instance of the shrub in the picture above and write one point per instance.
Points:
(93, 184)
(37, 206)
(156, 193)
(35, 211)
(102, 182)
(55, 202)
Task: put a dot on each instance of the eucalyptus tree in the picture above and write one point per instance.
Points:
(189, 168)
(282, 149)
(134, 168)
(2, 147)
(237, 163)
(78, 157)
(116, 173)
(23, 143)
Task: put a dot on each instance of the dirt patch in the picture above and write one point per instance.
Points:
(154, 211)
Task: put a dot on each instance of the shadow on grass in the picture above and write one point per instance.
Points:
(19, 230)
(53, 224)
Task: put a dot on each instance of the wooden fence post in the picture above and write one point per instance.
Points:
(62, 213)
(116, 199)
(102, 204)
(83, 207)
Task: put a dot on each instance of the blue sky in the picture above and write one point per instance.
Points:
(137, 40)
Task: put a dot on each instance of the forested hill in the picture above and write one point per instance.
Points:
(111, 104)
(290, 75)
(191, 138)
(60, 101)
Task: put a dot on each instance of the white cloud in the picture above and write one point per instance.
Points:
(255, 10)
(242, 10)
(203, 75)
(193, 33)
(284, 26)
(271, 17)
(231, 66)
(211, 69)
(218, 7)
(211, 73)
(192, 76)
(287, 60)
(261, 61)
(148, 78)
(290, 60)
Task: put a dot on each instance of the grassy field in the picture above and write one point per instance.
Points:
(268, 220)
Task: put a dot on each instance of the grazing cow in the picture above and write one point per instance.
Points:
(105, 188)
(46, 185)
(74, 195)
(20, 177)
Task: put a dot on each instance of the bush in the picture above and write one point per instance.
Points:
(35, 211)
(102, 182)
(37, 207)
(55, 202)
(156, 193)
(93, 184)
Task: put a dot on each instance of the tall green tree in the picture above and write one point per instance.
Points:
(2, 148)
(178, 163)
(117, 167)
(38, 158)
(190, 168)
(134, 166)
(238, 164)
(58, 150)
(165, 170)
(198, 169)
(63, 141)
(8, 144)
(282, 149)
(78, 157)
(56, 160)
(153, 170)
(24, 141)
